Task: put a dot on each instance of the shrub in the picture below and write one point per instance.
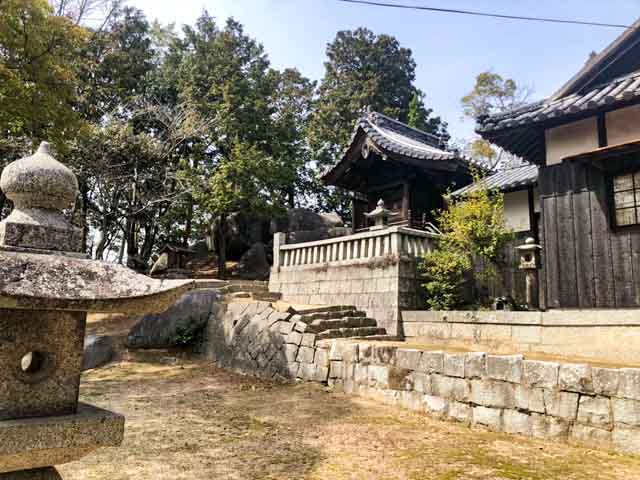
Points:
(472, 229)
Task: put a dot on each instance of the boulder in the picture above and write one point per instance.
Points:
(254, 264)
(98, 350)
(302, 219)
(186, 317)
(303, 225)
(243, 230)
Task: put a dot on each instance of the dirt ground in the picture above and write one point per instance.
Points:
(193, 421)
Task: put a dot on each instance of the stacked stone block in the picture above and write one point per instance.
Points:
(257, 339)
(505, 393)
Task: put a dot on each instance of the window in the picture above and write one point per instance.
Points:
(626, 199)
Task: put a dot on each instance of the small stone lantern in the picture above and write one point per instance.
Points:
(46, 289)
(380, 215)
(530, 263)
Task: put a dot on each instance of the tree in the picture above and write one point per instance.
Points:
(421, 118)
(472, 229)
(363, 70)
(225, 75)
(492, 94)
(38, 72)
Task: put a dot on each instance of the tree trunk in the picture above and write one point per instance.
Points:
(83, 215)
(189, 226)
(3, 202)
(222, 247)
(122, 247)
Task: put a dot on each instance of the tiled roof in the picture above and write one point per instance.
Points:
(504, 180)
(400, 138)
(619, 90)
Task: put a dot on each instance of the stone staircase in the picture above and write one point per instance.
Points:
(339, 322)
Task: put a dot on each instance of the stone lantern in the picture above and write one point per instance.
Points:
(380, 215)
(530, 263)
(46, 289)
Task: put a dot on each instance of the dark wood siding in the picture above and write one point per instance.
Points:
(587, 262)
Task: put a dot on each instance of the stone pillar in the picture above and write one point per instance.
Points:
(279, 239)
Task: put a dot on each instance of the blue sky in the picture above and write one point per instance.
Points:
(450, 50)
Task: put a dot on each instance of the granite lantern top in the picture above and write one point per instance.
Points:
(380, 215)
(41, 266)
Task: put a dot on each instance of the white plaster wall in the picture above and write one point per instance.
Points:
(623, 125)
(516, 210)
(571, 139)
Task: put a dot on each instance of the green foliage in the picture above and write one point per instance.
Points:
(38, 72)
(492, 94)
(472, 229)
(445, 272)
(363, 70)
(186, 334)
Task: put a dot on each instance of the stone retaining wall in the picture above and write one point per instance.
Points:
(562, 401)
(593, 334)
(380, 286)
(257, 339)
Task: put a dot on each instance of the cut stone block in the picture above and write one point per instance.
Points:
(475, 365)
(308, 340)
(626, 412)
(454, 364)
(561, 404)
(450, 388)
(540, 374)
(626, 439)
(576, 378)
(629, 383)
(421, 382)
(516, 422)
(489, 417)
(436, 406)
(595, 411)
(530, 399)
(505, 367)
(335, 370)
(431, 362)
(306, 355)
(590, 434)
(460, 412)
(408, 358)
(605, 381)
(490, 393)
(378, 376)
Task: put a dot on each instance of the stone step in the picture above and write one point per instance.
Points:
(350, 332)
(267, 296)
(312, 317)
(233, 288)
(327, 308)
(318, 326)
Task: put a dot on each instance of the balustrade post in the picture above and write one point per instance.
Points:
(279, 239)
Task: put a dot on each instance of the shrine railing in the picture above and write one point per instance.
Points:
(398, 241)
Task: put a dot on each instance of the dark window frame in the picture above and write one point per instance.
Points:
(613, 208)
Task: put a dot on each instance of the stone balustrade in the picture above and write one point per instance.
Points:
(399, 241)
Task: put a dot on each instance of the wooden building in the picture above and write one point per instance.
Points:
(406, 168)
(586, 140)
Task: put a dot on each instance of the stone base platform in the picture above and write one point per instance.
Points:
(36, 443)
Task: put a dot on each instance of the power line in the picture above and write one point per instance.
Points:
(485, 14)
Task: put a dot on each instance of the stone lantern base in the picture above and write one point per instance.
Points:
(38, 474)
(41, 442)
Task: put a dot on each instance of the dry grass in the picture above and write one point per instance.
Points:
(193, 421)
